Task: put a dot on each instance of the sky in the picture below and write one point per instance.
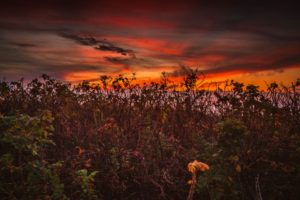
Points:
(249, 41)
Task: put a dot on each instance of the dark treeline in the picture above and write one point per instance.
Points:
(119, 140)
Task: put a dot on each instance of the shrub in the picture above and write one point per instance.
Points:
(139, 139)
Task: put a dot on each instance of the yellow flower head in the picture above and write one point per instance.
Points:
(197, 165)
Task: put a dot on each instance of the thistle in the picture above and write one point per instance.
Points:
(193, 167)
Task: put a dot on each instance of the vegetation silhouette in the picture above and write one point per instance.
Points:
(120, 140)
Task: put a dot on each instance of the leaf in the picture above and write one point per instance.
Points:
(94, 173)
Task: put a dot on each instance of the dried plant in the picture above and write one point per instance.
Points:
(193, 167)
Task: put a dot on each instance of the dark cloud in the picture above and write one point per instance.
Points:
(119, 60)
(113, 48)
(182, 71)
(23, 45)
(128, 62)
(244, 65)
(284, 62)
(247, 66)
(28, 60)
(88, 41)
(102, 45)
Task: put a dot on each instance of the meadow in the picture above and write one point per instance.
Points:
(122, 140)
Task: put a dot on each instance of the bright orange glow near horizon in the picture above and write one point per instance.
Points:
(208, 82)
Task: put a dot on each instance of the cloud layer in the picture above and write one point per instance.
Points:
(75, 40)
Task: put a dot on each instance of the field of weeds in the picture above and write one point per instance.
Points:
(120, 140)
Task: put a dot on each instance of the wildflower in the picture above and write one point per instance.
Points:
(196, 165)
(192, 168)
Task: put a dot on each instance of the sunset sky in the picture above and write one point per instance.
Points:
(250, 41)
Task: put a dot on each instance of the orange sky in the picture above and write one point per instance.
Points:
(252, 42)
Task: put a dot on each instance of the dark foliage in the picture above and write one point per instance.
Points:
(119, 140)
